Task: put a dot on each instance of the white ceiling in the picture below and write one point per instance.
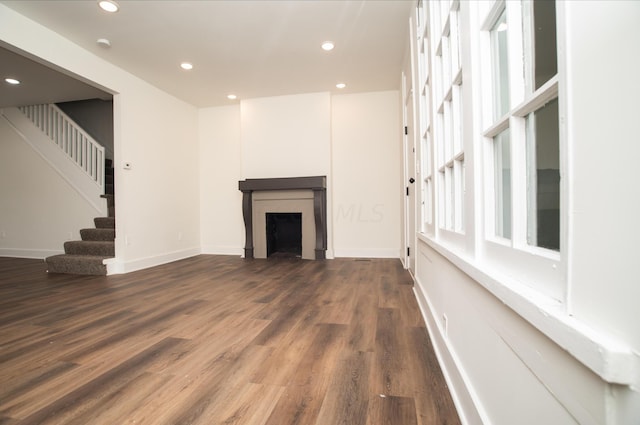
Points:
(40, 84)
(249, 48)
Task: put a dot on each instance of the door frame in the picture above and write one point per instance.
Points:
(409, 172)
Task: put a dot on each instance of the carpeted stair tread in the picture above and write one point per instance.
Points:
(77, 264)
(101, 248)
(105, 222)
(86, 257)
(97, 234)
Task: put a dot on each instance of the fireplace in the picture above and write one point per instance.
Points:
(284, 234)
(303, 197)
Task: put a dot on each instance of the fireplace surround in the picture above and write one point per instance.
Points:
(305, 195)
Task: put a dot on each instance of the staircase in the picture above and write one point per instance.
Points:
(87, 255)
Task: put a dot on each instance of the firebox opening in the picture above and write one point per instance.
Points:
(284, 234)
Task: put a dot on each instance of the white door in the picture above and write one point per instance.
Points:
(410, 182)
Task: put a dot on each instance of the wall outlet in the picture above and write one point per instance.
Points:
(127, 241)
(179, 236)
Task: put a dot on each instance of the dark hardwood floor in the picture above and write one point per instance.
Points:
(218, 340)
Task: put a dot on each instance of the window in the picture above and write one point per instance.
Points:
(505, 123)
(523, 139)
(425, 130)
(447, 102)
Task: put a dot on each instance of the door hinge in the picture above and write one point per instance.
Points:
(407, 190)
(406, 130)
(408, 252)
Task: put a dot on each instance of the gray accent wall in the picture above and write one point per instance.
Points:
(95, 116)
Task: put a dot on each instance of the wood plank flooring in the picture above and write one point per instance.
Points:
(218, 340)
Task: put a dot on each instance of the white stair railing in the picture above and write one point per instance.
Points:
(81, 148)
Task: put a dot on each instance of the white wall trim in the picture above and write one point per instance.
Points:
(466, 401)
(222, 250)
(612, 360)
(117, 266)
(367, 253)
(39, 254)
(234, 250)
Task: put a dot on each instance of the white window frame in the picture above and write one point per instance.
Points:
(540, 268)
(447, 137)
(424, 157)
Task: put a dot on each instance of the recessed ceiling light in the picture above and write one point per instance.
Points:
(341, 85)
(108, 6)
(232, 97)
(12, 81)
(186, 65)
(103, 42)
(328, 45)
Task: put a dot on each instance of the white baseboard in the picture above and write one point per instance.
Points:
(39, 254)
(467, 404)
(116, 266)
(234, 250)
(367, 253)
(222, 250)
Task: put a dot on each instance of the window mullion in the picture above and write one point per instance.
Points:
(539, 98)
(497, 127)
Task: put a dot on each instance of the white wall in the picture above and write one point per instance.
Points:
(602, 97)
(157, 201)
(286, 136)
(352, 139)
(502, 370)
(602, 100)
(39, 210)
(221, 224)
(366, 164)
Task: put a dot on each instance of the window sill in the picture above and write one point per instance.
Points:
(612, 360)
